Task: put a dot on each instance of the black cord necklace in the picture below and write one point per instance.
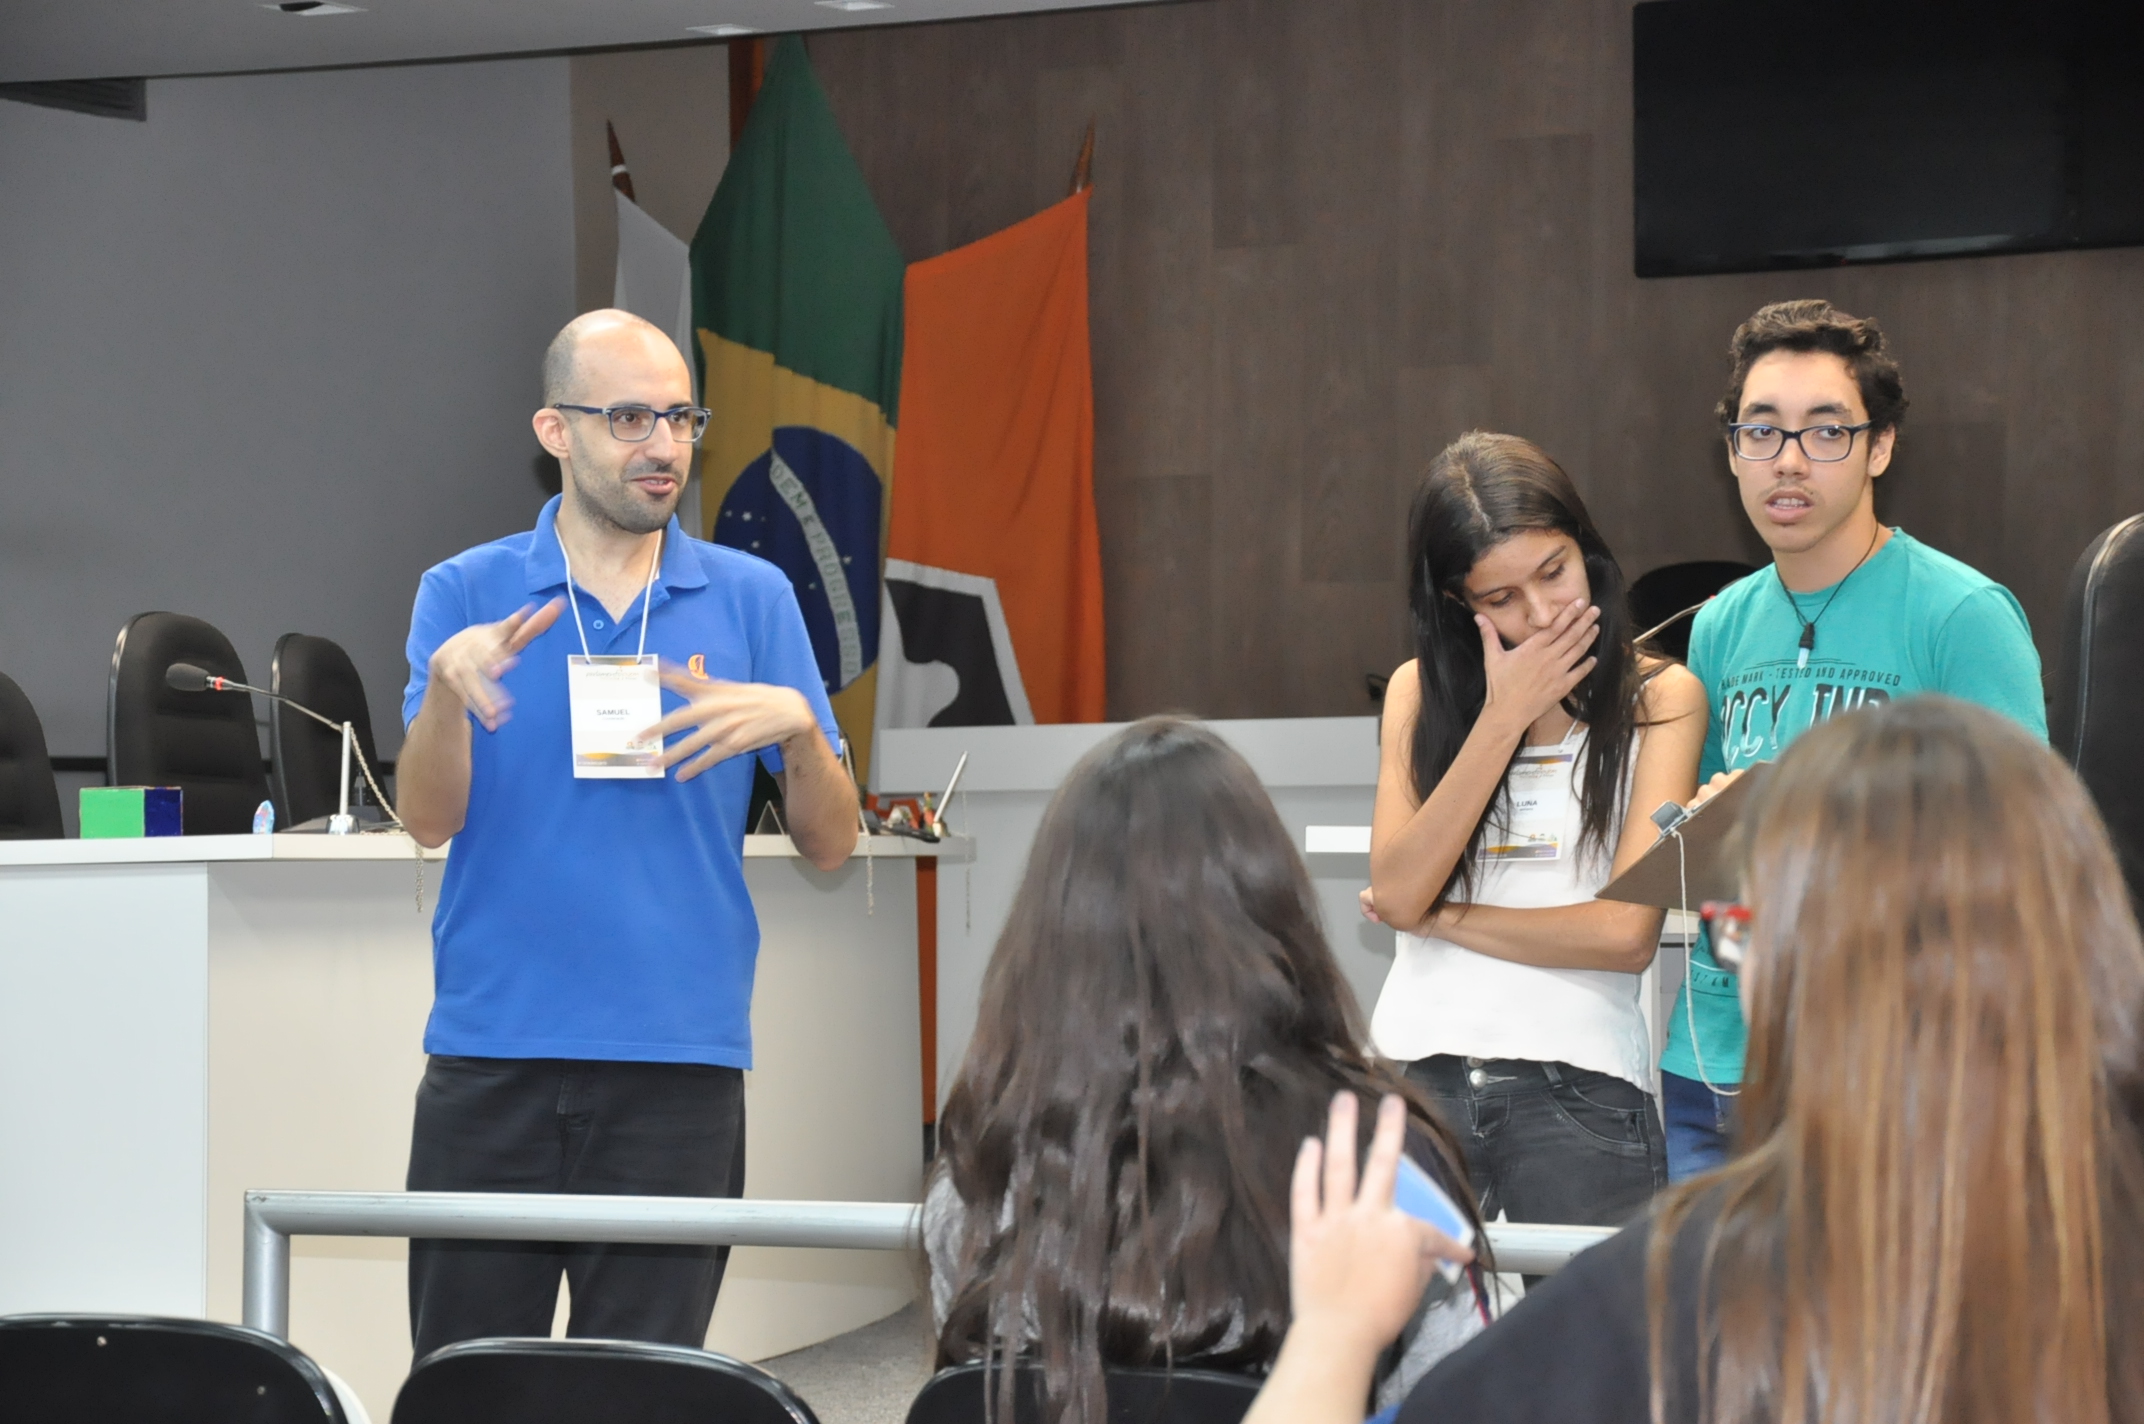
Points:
(1808, 639)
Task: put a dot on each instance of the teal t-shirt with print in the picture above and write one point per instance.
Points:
(1909, 620)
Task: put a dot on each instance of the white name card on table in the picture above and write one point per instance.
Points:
(1336, 840)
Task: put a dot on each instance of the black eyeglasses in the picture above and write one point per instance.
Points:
(635, 423)
(1822, 443)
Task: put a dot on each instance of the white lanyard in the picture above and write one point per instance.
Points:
(655, 562)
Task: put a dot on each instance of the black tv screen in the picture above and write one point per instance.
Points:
(1812, 133)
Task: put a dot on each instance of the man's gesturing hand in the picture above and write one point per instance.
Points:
(470, 664)
(728, 719)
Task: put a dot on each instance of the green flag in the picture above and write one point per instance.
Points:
(796, 299)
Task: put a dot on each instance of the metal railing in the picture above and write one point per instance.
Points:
(273, 1217)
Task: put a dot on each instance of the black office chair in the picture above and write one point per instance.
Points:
(97, 1369)
(29, 797)
(307, 757)
(573, 1381)
(2097, 684)
(956, 1396)
(201, 742)
(1666, 591)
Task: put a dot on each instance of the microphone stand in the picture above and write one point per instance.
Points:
(342, 823)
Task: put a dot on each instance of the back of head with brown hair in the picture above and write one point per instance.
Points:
(1935, 1214)
(1815, 325)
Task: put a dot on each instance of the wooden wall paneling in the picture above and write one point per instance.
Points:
(1949, 331)
(1432, 407)
(1660, 487)
(1541, 60)
(1627, 410)
(1445, 184)
(1066, 101)
(1153, 313)
(1257, 445)
(1256, 60)
(1543, 336)
(1074, 39)
(1158, 589)
(888, 89)
(2126, 356)
(1349, 256)
(1945, 487)
(1338, 633)
(992, 94)
(2060, 486)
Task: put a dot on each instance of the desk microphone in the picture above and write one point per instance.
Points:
(186, 677)
(189, 677)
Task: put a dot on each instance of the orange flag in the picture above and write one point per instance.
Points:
(993, 588)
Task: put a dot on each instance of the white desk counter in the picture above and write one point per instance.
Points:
(182, 1019)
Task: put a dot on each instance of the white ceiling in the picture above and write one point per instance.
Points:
(95, 39)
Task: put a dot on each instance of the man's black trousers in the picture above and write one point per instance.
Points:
(568, 1125)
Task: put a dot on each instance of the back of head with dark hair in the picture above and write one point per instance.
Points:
(1812, 324)
(1162, 1024)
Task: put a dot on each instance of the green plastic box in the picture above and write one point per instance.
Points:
(123, 812)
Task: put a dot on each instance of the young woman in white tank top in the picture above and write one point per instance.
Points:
(1521, 751)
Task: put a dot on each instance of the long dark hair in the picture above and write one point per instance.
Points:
(1162, 1024)
(1937, 1211)
(1480, 490)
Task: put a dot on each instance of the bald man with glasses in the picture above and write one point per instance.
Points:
(586, 704)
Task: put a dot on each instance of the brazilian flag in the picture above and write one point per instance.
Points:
(796, 302)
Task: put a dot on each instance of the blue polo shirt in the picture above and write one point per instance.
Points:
(590, 918)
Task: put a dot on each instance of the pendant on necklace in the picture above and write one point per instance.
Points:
(1808, 642)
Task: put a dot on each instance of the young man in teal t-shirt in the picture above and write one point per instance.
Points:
(1849, 613)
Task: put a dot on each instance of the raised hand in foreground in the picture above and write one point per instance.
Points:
(1357, 1266)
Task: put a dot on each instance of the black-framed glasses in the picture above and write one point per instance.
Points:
(1729, 922)
(1754, 440)
(635, 423)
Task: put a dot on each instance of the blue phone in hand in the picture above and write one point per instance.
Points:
(1415, 1192)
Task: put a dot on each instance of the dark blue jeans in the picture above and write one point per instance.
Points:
(1548, 1142)
(567, 1125)
(1700, 1125)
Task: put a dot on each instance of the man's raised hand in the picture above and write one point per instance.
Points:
(726, 719)
(470, 664)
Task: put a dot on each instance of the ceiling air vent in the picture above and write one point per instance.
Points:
(108, 98)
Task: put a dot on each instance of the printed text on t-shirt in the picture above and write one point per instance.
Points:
(1756, 704)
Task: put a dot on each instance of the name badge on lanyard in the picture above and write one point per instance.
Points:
(612, 701)
(1540, 784)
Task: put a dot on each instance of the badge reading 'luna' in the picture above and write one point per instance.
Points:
(697, 666)
(810, 506)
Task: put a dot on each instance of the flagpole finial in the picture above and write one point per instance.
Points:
(1083, 170)
(621, 178)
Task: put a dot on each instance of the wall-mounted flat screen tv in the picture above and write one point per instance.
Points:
(1812, 133)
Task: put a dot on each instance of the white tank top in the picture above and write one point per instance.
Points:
(1440, 998)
